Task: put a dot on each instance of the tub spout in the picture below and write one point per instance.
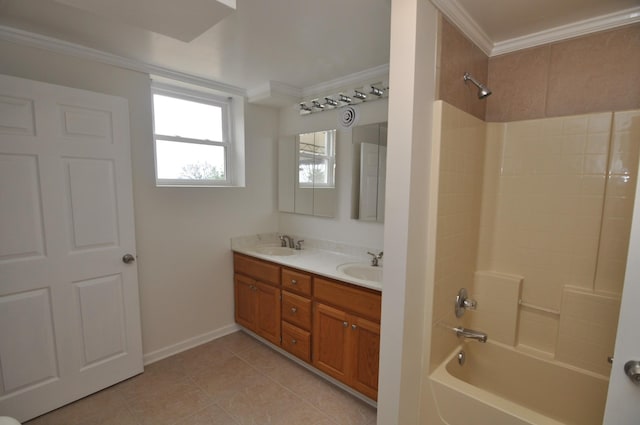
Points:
(470, 334)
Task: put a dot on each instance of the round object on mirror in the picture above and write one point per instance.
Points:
(348, 116)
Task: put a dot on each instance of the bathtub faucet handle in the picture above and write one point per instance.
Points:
(463, 302)
(469, 304)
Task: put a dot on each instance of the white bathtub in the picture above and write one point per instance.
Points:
(498, 385)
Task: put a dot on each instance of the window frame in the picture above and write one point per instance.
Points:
(228, 142)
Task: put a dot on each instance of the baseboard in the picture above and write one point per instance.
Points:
(165, 352)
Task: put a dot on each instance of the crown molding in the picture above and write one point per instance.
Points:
(469, 27)
(380, 72)
(576, 29)
(59, 46)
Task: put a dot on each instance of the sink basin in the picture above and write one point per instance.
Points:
(361, 271)
(278, 251)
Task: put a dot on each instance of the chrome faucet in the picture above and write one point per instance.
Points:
(286, 241)
(470, 334)
(376, 258)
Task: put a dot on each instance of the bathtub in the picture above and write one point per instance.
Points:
(498, 385)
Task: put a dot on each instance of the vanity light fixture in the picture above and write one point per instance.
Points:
(359, 95)
(331, 102)
(344, 98)
(304, 108)
(376, 91)
(369, 92)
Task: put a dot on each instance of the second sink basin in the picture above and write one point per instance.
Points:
(362, 271)
(278, 251)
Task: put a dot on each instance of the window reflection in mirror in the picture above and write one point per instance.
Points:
(317, 159)
(307, 174)
(369, 174)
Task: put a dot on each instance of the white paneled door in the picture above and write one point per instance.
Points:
(69, 307)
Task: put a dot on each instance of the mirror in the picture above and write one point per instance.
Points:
(306, 173)
(369, 171)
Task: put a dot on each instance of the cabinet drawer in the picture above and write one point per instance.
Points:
(296, 310)
(258, 269)
(351, 298)
(296, 341)
(295, 281)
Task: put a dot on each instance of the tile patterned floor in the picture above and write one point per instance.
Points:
(234, 380)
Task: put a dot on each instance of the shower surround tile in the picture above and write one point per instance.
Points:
(519, 84)
(592, 73)
(548, 206)
(582, 70)
(462, 148)
(459, 55)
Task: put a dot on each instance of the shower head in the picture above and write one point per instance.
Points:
(483, 91)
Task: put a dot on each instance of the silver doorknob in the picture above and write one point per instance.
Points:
(128, 258)
(632, 369)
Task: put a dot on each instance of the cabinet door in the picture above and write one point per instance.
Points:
(268, 312)
(366, 356)
(245, 313)
(330, 341)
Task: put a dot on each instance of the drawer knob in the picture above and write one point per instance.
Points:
(294, 282)
(294, 341)
(294, 310)
(345, 324)
(354, 327)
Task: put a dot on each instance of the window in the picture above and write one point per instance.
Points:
(316, 159)
(192, 138)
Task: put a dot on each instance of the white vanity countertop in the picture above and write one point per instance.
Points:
(318, 257)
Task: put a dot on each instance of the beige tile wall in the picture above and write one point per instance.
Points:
(594, 73)
(457, 55)
(618, 207)
(549, 205)
(586, 335)
(462, 147)
(557, 204)
(549, 200)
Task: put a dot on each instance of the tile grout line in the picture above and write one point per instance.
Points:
(304, 400)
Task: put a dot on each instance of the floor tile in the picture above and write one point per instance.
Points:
(226, 379)
(339, 405)
(238, 342)
(97, 408)
(168, 404)
(234, 380)
(212, 415)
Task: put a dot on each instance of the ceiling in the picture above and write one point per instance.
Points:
(299, 43)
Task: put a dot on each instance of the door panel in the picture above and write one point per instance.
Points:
(21, 228)
(28, 357)
(330, 345)
(102, 318)
(69, 307)
(366, 356)
(245, 306)
(268, 305)
(92, 193)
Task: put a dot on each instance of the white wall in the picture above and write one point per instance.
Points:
(409, 234)
(341, 228)
(185, 262)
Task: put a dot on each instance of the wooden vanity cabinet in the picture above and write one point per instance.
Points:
(257, 296)
(296, 313)
(346, 334)
(333, 325)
